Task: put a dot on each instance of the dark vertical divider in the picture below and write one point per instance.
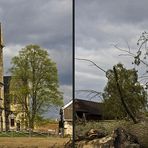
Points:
(73, 43)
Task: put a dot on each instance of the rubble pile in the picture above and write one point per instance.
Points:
(119, 138)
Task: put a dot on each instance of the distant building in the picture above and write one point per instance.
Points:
(84, 110)
(88, 110)
(68, 118)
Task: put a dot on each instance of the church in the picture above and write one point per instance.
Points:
(2, 108)
(10, 118)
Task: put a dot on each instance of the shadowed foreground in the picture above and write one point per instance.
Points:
(95, 133)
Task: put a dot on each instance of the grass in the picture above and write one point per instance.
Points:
(108, 126)
(23, 134)
(32, 142)
(141, 131)
(37, 140)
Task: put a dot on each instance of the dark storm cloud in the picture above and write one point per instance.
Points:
(102, 22)
(116, 11)
(47, 23)
(64, 63)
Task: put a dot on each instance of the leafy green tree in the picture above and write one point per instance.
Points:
(132, 92)
(34, 82)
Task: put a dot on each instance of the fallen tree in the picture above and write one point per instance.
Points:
(119, 138)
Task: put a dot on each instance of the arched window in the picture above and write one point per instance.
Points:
(12, 122)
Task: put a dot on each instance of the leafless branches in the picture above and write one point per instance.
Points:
(91, 93)
(140, 56)
(136, 56)
(92, 63)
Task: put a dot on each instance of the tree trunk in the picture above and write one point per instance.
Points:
(122, 99)
(31, 123)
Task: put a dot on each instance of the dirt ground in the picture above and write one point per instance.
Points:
(51, 126)
(26, 142)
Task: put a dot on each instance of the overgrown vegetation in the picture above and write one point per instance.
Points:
(108, 126)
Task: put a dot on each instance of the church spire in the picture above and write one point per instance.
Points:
(1, 37)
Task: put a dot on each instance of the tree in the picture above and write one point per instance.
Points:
(140, 57)
(34, 82)
(121, 96)
(125, 95)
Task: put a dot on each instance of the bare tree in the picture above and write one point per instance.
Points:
(140, 57)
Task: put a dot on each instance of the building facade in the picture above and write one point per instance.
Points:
(84, 110)
(2, 110)
(13, 111)
(9, 117)
(68, 118)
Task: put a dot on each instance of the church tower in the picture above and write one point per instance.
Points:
(2, 110)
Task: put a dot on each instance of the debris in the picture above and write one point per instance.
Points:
(119, 138)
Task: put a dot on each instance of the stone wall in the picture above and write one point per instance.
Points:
(68, 127)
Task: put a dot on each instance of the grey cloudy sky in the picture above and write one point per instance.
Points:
(99, 25)
(47, 23)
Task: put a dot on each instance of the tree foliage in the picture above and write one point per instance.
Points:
(133, 93)
(35, 82)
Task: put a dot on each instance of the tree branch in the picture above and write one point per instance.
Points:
(122, 99)
(95, 93)
(92, 63)
(130, 54)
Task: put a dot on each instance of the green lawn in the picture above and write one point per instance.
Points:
(23, 134)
